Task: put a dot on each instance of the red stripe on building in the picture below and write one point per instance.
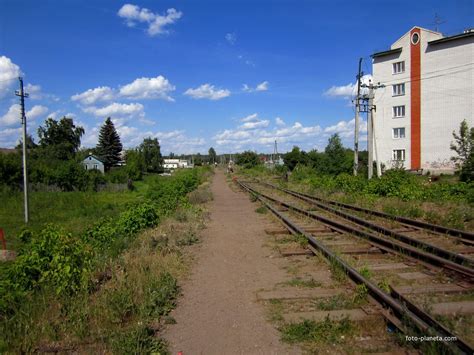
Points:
(415, 100)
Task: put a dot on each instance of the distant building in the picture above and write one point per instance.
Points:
(176, 164)
(93, 163)
(429, 90)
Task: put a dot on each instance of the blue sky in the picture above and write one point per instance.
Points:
(234, 75)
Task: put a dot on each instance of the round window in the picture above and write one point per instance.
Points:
(415, 38)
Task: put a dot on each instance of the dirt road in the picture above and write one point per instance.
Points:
(219, 313)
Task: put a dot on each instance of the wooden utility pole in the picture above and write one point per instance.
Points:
(356, 123)
(21, 93)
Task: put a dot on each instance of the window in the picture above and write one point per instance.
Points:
(398, 111)
(399, 132)
(415, 38)
(398, 154)
(398, 67)
(398, 89)
(96, 166)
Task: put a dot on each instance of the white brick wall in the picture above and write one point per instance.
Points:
(446, 98)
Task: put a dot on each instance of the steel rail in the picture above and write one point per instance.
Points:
(398, 308)
(408, 221)
(457, 258)
(374, 239)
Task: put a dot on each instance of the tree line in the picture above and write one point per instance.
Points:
(57, 158)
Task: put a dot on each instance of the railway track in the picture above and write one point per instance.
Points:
(443, 275)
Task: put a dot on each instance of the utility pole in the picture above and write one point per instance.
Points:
(356, 123)
(370, 130)
(21, 93)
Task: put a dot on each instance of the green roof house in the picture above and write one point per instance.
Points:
(93, 163)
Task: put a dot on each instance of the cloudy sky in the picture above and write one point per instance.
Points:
(234, 74)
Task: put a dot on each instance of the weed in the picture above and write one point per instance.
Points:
(340, 301)
(337, 272)
(296, 282)
(189, 239)
(261, 210)
(253, 198)
(327, 331)
(139, 339)
(301, 240)
(360, 296)
(200, 196)
(384, 285)
(365, 272)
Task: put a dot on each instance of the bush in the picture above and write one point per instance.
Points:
(53, 258)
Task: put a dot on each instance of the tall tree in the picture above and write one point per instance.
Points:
(109, 146)
(60, 139)
(212, 155)
(30, 143)
(463, 145)
(295, 157)
(198, 159)
(150, 149)
(336, 156)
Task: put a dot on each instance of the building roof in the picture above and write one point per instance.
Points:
(390, 51)
(468, 33)
(93, 156)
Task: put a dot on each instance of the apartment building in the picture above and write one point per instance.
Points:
(428, 91)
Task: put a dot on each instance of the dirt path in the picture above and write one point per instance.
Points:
(218, 313)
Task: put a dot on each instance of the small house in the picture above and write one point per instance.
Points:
(93, 163)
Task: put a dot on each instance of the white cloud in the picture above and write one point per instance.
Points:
(263, 86)
(156, 23)
(34, 91)
(207, 91)
(12, 117)
(36, 111)
(148, 88)
(231, 38)
(348, 90)
(116, 110)
(9, 71)
(9, 137)
(250, 118)
(255, 124)
(279, 121)
(345, 129)
(91, 96)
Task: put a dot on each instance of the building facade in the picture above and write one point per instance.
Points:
(93, 163)
(429, 82)
(176, 164)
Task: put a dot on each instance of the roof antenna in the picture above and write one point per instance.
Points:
(437, 21)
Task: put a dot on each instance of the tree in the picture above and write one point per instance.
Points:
(30, 143)
(61, 139)
(198, 159)
(212, 155)
(150, 149)
(337, 157)
(248, 159)
(109, 146)
(295, 157)
(135, 164)
(463, 145)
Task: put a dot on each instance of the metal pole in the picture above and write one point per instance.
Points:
(356, 123)
(370, 138)
(22, 96)
(377, 159)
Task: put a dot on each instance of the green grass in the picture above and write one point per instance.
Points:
(327, 331)
(73, 211)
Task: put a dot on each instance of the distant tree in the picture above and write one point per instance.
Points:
(212, 155)
(463, 145)
(109, 146)
(171, 155)
(61, 139)
(316, 160)
(198, 159)
(337, 157)
(30, 143)
(135, 164)
(248, 159)
(295, 157)
(150, 149)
